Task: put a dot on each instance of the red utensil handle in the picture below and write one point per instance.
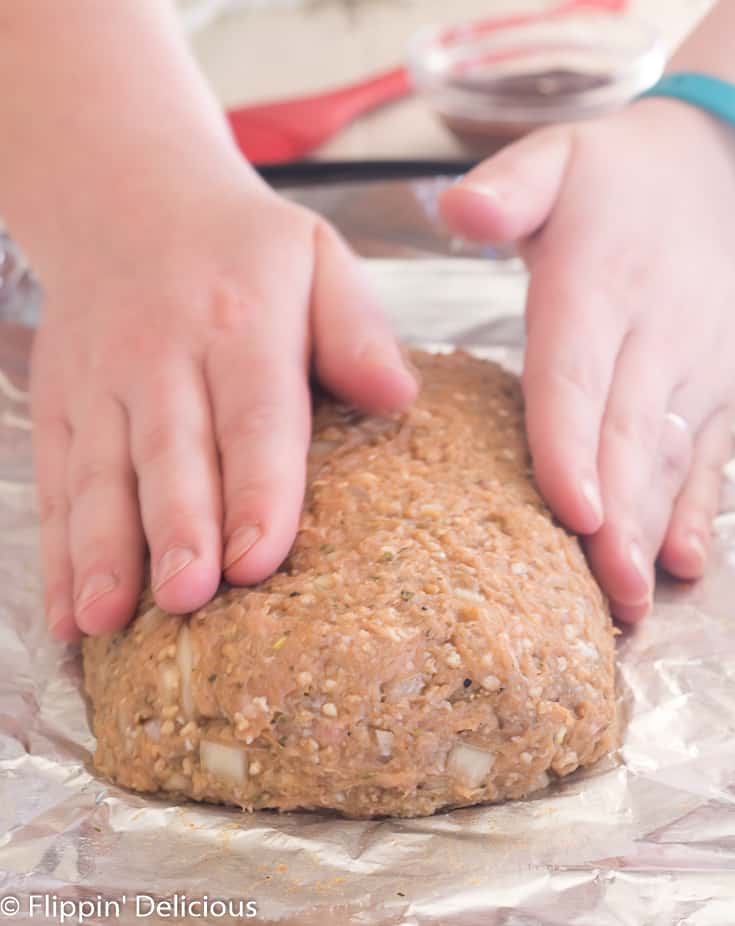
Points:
(281, 130)
(368, 94)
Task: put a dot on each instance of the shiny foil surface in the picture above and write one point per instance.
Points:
(646, 838)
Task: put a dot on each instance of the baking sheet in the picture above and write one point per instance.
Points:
(648, 840)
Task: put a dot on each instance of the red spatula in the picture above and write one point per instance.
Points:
(285, 130)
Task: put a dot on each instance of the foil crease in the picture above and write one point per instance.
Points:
(646, 838)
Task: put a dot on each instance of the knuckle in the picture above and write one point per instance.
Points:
(47, 425)
(155, 443)
(57, 588)
(697, 509)
(673, 467)
(675, 457)
(231, 307)
(675, 461)
(248, 424)
(143, 344)
(638, 430)
(89, 476)
(244, 497)
(52, 508)
(574, 376)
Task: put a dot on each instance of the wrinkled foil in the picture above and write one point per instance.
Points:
(646, 838)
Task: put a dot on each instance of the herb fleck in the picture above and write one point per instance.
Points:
(212, 678)
(406, 595)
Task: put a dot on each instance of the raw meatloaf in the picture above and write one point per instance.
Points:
(433, 640)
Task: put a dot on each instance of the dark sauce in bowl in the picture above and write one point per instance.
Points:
(554, 85)
(489, 85)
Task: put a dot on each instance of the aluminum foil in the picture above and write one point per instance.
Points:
(646, 838)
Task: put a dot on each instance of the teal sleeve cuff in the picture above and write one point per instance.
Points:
(709, 93)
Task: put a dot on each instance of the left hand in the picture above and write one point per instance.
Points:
(627, 225)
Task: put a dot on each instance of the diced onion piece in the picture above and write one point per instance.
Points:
(405, 687)
(469, 595)
(587, 649)
(152, 729)
(152, 618)
(184, 660)
(169, 679)
(385, 742)
(470, 765)
(227, 762)
(175, 782)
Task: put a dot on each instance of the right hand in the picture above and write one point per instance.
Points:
(170, 394)
(628, 377)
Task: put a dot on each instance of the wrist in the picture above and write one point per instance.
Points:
(683, 124)
(139, 200)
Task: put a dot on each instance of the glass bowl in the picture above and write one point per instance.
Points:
(487, 83)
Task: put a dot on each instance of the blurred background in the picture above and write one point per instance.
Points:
(378, 177)
(254, 50)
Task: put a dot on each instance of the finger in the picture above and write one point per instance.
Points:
(620, 553)
(509, 197)
(105, 534)
(688, 539)
(571, 350)
(175, 459)
(262, 431)
(51, 443)
(670, 469)
(355, 353)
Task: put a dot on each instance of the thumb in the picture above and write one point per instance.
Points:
(355, 352)
(509, 197)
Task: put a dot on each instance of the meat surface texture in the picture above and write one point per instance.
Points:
(433, 640)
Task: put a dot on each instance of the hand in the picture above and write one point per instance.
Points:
(170, 394)
(627, 226)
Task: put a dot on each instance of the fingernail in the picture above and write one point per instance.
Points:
(171, 564)
(592, 496)
(696, 545)
(642, 568)
(488, 192)
(242, 540)
(95, 588)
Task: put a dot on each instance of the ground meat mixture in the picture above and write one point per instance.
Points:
(433, 640)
